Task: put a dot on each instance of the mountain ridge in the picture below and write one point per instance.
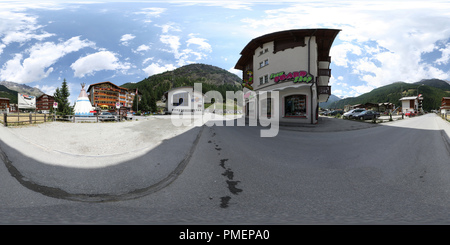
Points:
(432, 90)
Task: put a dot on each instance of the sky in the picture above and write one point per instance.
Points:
(381, 42)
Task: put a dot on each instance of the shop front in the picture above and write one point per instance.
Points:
(287, 73)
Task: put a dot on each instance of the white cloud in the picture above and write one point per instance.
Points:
(173, 42)
(41, 57)
(445, 58)
(103, 60)
(169, 27)
(47, 89)
(235, 71)
(126, 38)
(147, 60)
(151, 13)
(339, 53)
(19, 27)
(142, 48)
(201, 42)
(155, 68)
(199, 49)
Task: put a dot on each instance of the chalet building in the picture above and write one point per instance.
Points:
(184, 99)
(296, 63)
(4, 105)
(106, 95)
(44, 103)
(412, 103)
(445, 105)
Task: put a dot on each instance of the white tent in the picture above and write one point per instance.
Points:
(83, 106)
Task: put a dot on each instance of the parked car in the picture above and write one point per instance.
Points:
(350, 114)
(129, 116)
(106, 116)
(410, 114)
(335, 112)
(365, 115)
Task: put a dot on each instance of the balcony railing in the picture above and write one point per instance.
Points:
(325, 72)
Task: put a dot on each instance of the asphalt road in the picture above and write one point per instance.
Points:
(396, 173)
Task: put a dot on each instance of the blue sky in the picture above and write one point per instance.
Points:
(381, 42)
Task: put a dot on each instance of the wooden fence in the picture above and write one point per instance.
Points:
(24, 118)
(9, 119)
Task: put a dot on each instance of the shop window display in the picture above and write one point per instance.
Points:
(295, 106)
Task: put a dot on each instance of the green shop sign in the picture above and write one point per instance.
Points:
(296, 76)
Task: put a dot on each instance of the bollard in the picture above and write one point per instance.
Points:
(5, 119)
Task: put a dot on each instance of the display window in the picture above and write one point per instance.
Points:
(295, 106)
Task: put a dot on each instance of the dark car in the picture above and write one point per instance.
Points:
(106, 116)
(335, 112)
(365, 115)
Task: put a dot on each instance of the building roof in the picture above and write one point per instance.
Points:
(324, 40)
(44, 95)
(409, 98)
(118, 87)
(4, 98)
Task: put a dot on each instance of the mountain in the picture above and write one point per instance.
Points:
(211, 77)
(22, 88)
(331, 99)
(444, 85)
(8, 93)
(432, 90)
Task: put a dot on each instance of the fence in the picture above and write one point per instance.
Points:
(30, 118)
(24, 118)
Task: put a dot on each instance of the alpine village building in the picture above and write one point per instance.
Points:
(296, 63)
(44, 103)
(106, 95)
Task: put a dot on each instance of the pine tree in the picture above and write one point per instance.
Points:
(62, 97)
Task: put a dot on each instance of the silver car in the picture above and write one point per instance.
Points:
(106, 116)
(350, 114)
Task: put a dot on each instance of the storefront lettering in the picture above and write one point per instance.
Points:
(297, 77)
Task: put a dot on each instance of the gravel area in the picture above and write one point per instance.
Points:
(96, 139)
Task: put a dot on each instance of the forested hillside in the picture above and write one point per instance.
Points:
(8, 93)
(432, 90)
(211, 77)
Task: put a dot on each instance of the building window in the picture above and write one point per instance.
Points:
(295, 106)
(264, 80)
(263, 52)
(264, 63)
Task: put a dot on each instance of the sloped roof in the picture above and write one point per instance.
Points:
(324, 40)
